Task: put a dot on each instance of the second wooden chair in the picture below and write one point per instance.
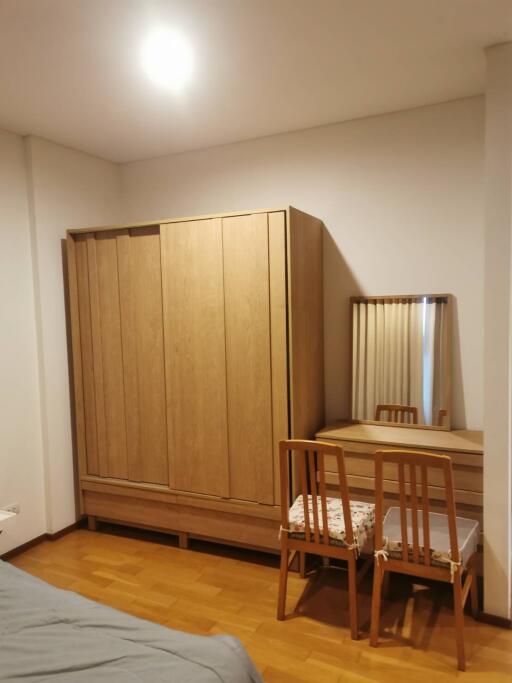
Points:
(417, 542)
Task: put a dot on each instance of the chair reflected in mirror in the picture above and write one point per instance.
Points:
(394, 412)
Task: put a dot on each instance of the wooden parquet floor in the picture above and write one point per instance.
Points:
(212, 589)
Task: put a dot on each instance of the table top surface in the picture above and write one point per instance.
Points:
(461, 440)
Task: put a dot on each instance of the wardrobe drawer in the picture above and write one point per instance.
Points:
(176, 516)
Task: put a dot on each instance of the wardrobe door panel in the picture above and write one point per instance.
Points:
(84, 315)
(248, 357)
(105, 285)
(77, 385)
(140, 294)
(130, 366)
(278, 341)
(193, 299)
(97, 356)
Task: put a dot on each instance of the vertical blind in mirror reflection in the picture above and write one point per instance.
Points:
(400, 360)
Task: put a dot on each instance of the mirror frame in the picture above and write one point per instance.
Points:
(449, 353)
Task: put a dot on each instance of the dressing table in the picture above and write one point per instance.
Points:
(360, 441)
(401, 354)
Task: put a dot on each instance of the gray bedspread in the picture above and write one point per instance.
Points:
(48, 634)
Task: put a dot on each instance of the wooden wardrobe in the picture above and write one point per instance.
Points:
(197, 346)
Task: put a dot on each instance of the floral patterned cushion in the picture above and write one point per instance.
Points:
(363, 521)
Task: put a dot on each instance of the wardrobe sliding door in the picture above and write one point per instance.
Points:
(278, 337)
(121, 346)
(140, 280)
(255, 306)
(102, 357)
(195, 356)
(249, 382)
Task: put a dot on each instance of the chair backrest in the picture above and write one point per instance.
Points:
(397, 413)
(408, 464)
(440, 416)
(307, 460)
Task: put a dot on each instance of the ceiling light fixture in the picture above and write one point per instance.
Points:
(167, 58)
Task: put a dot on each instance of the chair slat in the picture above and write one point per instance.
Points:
(285, 483)
(310, 458)
(451, 512)
(304, 488)
(426, 522)
(323, 497)
(403, 511)
(414, 514)
(345, 499)
(379, 495)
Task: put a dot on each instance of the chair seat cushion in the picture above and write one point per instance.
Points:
(468, 532)
(363, 521)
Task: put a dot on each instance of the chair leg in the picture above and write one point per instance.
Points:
(459, 620)
(352, 597)
(376, 600)
(474, 592)
(302, 564)
(283, 579)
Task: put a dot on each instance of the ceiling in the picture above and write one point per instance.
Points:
(70, 69)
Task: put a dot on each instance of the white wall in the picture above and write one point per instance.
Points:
(44, 189)
(401, 196)
(69, 189)
(498, 334)
(21, 458)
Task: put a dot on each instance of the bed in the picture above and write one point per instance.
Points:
(48, 634)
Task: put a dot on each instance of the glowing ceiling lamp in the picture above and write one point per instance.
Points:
(167, 58)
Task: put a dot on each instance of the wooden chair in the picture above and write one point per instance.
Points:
(397, 413)
(443, 545)
(318, 524)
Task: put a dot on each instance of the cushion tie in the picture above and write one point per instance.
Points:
(381, 553)
(453, 568)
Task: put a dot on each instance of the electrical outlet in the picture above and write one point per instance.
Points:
(13, 507)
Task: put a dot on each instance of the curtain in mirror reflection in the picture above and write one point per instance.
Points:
(399, 360)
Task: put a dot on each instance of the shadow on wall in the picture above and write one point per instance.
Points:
(339, 285)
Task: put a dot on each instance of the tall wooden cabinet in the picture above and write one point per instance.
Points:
(197, 346)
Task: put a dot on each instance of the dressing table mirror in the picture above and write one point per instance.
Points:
(401, 351)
